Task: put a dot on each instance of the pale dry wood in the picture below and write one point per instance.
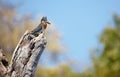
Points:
(26, 56)
(3, 64)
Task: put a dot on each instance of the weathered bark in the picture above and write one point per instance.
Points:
(26, 55)
(3, 64)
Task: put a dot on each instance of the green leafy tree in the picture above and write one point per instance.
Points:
(107, 61)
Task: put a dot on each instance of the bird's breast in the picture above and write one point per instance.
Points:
(45, 26)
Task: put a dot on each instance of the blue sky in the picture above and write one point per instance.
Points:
(79, 21)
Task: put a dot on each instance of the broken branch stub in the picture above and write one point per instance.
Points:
(26, 55)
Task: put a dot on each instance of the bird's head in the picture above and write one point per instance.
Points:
(44, 21)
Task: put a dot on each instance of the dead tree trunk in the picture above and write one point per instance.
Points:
(26, 55)
(3, 64)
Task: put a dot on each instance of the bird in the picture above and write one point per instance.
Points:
(41, 27)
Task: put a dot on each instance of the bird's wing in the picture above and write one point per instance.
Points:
(37, 29)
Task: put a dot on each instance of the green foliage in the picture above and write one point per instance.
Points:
(59, 71)
(107, 64)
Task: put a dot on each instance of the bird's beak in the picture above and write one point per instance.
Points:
(48, 22)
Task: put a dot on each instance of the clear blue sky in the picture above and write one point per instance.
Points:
(79, 21)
